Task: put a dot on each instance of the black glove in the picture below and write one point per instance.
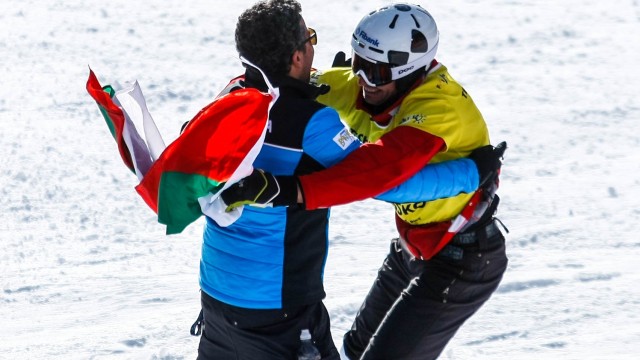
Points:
(261, 189)
(340, 60)
(487, 159)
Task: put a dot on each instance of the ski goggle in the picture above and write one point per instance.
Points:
(374, 74)
(378, 74)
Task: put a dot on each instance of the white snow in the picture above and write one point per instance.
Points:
(87, 272)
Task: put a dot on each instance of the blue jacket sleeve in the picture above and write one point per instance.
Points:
(326, 139)
(436, 181)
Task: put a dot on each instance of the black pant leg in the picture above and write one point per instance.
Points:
(394, 275)
(321, 332)
(216, 341)
(434, 306)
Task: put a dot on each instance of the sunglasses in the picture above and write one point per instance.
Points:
(313, 37)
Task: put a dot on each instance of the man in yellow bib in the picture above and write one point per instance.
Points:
(409, 112)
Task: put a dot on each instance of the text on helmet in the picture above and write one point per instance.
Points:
(368, 39)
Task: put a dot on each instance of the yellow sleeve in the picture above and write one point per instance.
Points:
(344, 88)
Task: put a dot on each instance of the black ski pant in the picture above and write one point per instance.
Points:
(233, 333)
(415, 307)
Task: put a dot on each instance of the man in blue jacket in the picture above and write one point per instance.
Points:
(261, 277)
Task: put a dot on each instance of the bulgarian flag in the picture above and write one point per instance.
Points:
(120, 110)
(215, 149)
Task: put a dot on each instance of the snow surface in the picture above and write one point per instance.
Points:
(87, 273)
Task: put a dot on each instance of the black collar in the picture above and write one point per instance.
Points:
(287, 84)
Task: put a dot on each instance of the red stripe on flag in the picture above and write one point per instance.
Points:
(113, 115)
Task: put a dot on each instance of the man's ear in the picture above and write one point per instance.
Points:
(296, 57)
(296, 63)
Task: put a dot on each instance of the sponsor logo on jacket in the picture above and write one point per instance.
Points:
(343, 139)
(408, 208)
(362, 137)
(413, 118)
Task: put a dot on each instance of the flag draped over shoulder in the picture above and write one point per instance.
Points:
(215, 149)
(205, 156)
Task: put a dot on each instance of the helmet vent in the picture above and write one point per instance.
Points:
(376, 50)
(416, 21)
(393, 22)
(397, 58)
(419, 43)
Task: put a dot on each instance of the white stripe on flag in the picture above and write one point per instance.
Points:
(151, 133)
(143, 153)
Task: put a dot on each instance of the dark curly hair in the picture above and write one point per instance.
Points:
(268, 33)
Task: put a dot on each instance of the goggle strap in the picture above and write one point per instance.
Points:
(397, 71)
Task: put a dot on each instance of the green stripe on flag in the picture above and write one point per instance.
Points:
(109, 90)
(178, 195)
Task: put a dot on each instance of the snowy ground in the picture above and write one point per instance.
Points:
(88, 273)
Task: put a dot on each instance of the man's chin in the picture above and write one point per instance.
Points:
(375, 101)
(372, 97)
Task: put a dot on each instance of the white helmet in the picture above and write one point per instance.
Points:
(402, 36)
